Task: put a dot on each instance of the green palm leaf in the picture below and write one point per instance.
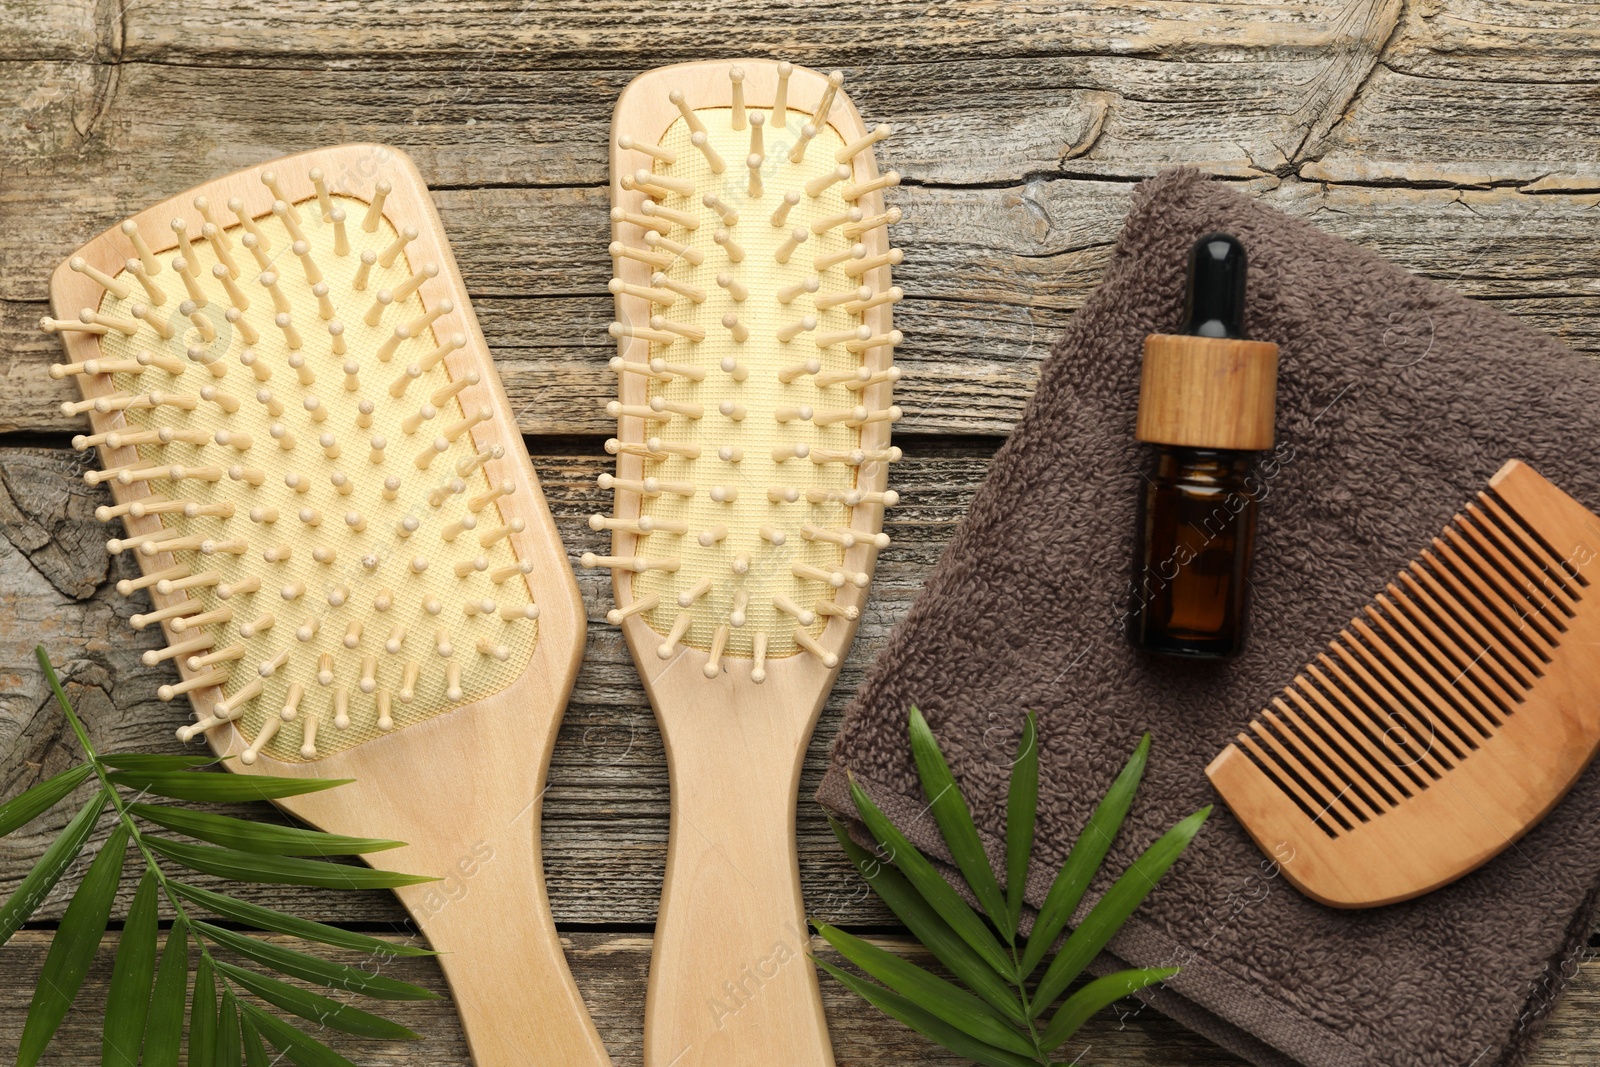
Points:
(1022, 808)
(32, 803)
(276, 921)
(932, 932)
(249, 836)
(143, 763)
(301, 1048)
(1088, 852)
(228, 1048)
(928, 991)
(164, 1028)
(255, 1055)
(1096, 995)
(930, 883)
(1113, 909)
(279, 870)
(220, 786)
(314, 968)
(930, 1026)
(203, 1016)
(314, 1007)
(73, 948)
(950, 811)
(128, 999)
(36, 885)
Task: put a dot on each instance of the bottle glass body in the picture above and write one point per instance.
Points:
(1197, 526)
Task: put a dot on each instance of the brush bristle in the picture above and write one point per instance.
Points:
(746, 518)
(331, 553)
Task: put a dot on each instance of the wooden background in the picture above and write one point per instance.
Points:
(1457, 137)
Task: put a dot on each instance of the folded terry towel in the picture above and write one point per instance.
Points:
(1397, 400)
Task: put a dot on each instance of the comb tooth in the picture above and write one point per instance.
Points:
(719, 644)
(1462, 691)
(786, 204)
(1287, 781)
(1336, 792)
(843, 218)
(822, 182)
(680, 627)
(861, 144)
(1535, 547)
(1466, 657)
(1342, 738)
(1523, 597)
(223, 655)
(1538, 584)
(1437, 631)
(1513, 614)
(1382, 690)
(1423, 584)
(1483, 607)
(1406, 745)
(403, 291)
(1444, 718)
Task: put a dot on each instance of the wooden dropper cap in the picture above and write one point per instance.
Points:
(1208, 387)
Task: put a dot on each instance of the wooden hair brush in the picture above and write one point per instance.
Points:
(755, 362)
(345, 543)
(1445, 720)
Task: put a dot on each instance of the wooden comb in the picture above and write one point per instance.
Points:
(1445, 720)
(755, 362)
(321, 478)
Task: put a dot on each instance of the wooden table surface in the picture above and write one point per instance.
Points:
(1456, 137)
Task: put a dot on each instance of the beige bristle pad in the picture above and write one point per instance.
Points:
(757, 396)
(346, 558)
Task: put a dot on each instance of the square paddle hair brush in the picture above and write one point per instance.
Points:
(343, 540)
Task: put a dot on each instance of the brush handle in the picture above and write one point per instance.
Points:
(465, 791)
(731, 981)
(490, 919)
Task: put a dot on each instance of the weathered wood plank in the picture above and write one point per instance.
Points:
(991, 274)
(606, 811)
(1526, 70)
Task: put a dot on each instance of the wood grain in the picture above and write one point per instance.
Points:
(1454, 137)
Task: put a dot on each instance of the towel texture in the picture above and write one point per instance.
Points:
(1397, 400)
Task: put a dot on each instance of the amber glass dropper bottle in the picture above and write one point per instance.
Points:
(1207, 399)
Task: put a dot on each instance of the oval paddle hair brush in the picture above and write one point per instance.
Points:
(755, 369)
(344, 542)
(1446, 720)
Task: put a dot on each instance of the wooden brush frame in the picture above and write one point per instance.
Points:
(464, 787)
(732, 911)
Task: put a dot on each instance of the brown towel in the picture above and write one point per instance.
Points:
(1397, 400)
